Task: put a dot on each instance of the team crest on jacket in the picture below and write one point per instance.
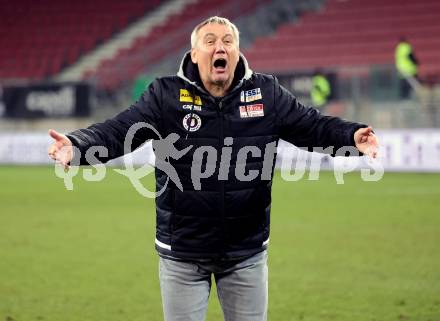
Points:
(248, 111)
(250, 95)
(192, 122)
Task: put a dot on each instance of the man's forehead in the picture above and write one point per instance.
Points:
(215, 29)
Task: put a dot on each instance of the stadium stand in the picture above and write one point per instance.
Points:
(52, 43)
(40, 38)
(352, 33)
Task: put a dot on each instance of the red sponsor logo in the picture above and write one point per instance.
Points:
(256, 110)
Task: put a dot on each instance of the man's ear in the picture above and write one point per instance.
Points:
(193, 55)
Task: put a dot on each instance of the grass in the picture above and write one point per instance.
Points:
(361, 251)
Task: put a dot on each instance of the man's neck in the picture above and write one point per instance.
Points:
(217, 90)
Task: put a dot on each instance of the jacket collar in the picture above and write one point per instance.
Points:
(189, 72)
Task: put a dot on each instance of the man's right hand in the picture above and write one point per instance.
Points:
(61, 150)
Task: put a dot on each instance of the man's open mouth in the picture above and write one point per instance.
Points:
(220, 63)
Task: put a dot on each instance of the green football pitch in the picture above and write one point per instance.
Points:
(361, 251)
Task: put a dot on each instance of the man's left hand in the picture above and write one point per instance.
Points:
(366, 142)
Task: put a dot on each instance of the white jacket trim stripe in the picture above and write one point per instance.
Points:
(162, 245)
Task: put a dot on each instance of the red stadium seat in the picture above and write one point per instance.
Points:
(352, 33)
(44, 36)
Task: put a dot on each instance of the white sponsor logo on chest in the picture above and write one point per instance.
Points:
(256, 110)
(192, 107)
(250, 95)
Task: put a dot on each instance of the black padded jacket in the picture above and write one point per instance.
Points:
(227, 215)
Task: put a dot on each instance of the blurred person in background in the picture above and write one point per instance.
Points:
(321, 90)
(406, 65)
(221, 228)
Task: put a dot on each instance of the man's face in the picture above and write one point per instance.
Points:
(216, 53)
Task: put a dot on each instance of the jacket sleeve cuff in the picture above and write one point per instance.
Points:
(79, 148)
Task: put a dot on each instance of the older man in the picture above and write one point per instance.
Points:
(223, 114)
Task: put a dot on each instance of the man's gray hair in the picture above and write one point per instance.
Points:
(220, 21)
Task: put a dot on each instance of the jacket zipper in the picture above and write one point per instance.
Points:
(222, 184)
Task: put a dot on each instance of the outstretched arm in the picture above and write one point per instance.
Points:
(112, 133)
(306, 127)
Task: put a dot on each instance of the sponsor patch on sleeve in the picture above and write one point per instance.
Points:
(185, 96)
(248, 111)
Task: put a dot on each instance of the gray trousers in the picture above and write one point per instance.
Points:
(241, 288)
